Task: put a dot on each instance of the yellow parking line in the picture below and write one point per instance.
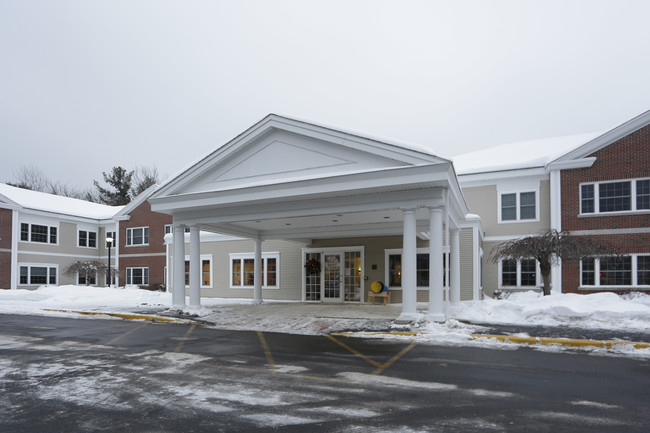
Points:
(390, 362)
(126, 333)
(267, 351)
(356, 352)
(187, 334)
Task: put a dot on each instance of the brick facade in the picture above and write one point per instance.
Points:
(5, 248)
(140, 256)
(627, 158)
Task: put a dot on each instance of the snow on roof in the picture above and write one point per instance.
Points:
(523, 154)
(57, 204)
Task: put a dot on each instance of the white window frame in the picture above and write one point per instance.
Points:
(635, 276)
(518, 193)
(112, 235)
(29, 233)
(596, 185)
(399, 251)
(129, 236)
(538, 277)
(83, 284)
(203, 258)
(88, 232)
(265, 257)
(29, 267)
(129, 276)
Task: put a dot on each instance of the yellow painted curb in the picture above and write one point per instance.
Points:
(125, 316)
(572, 342)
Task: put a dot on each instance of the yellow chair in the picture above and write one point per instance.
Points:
(378, 290)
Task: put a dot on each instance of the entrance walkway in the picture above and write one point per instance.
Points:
(304, 318)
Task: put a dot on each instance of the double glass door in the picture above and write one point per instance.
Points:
(336, 277)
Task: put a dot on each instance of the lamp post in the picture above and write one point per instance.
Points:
(109, 242)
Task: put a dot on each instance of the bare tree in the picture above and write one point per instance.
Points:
(31, 177)
(88, 268)
(143, 178)
(548, 248)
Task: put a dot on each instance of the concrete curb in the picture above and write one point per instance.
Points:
(543, 341)
(125, 316)
(571, 342)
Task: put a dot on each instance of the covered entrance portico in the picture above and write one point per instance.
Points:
(292, 180)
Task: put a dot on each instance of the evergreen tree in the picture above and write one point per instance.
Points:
(120, 181)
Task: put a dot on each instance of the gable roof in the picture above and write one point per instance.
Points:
(305, 161)
(41, 201)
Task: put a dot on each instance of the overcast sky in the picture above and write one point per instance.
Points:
(88, 85)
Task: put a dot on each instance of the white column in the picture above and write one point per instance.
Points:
(436, 294)
(195, 267)
(455, 266)
(257, 270)
(178, 263)
(409, 268)
(556, 223)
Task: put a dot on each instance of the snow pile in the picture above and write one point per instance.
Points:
(593, 311)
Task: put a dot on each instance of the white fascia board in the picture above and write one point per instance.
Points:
(493, 177)
(571, 163)
(334, 185)
(361, 230)
(61, 217)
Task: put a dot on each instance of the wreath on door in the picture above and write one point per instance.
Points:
(312, 266)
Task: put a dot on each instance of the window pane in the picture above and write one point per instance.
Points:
(83, 238)
(395, 270)
(38, 275)
(146, 235)
(422, 270)
(527, 208)
(137, 236)
(508, 207)
(643, 270)
(129, 237)
(271, 272)
(39, 233)
(587, 199)
(136, 275)
(528, 272)
(24, 232)
(643, 194)
(92, 239)
(509, 273)
(236, 272)
(588, 272)
(145, 275)
(23, 274)
(187, 272)
(205, 273)
(616, 271)
(615, 196)
(249, 272)
(129, 278)
(52, 275)
(52, 235)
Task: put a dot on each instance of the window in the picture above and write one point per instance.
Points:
(168, 229)
(394, 268)
(82, 280)
(518, 206)
(206, 271)
(626, 271)
(137, 276)
(137, 236)
(242, 270)
(87, 239)
(617, 196)
(518, 273)
(38, 233)
(38, 274)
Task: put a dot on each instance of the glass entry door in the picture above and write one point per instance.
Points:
(332, 277)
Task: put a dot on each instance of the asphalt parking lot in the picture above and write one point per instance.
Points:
(80, 375)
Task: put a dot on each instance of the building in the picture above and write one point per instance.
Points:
(590, 185)
(41, 234)
(361, 208)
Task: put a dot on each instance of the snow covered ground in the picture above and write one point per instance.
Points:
(627, 313)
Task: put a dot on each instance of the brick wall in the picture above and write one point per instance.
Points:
(142, 216)
(627, 158)
(5, 248)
